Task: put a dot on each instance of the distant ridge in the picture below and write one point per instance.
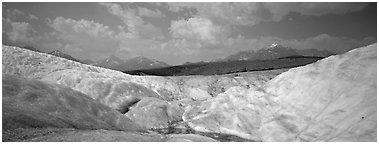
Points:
(275, 51)
(137, 63)
(63, 55)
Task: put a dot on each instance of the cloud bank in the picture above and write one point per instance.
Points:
(253, 13)
(172, 32)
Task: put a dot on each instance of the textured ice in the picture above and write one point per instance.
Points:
(38, 104)
(333, 99)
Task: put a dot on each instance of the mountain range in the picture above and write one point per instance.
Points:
(275, 51)
(137, 63)
(63, 55)
(115, 63)
(271, 52)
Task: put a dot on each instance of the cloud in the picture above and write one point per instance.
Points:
(21, 32)
(317, 8)
(200, 29)
(90, 28)
(33, 17)
(320, 42)
(123, 53)
(150, 13)
(195, 39)
(128, 16)
(15, 13)
(135, 24)
(182, 47)
(176, 51)
(84, 38)
(204, 36)
(253, 13)
(330, 43)
(230, 13)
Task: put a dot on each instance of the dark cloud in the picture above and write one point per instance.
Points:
(294, 25)
(312, 8)
(253, 13)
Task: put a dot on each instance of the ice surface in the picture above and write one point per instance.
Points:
(333, 99)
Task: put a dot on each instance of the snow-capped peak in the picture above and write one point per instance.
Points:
(144, 59)
(140, 59)
(273, 45)
(113, 59)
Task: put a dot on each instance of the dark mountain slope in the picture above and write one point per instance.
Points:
(63, 55)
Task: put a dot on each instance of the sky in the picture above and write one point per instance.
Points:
(176, 33)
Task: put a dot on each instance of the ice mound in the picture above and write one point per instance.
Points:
(112, 88)
(30, 64)
(333, 99)
(37, 104)
(238, 111)
(154, 113)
